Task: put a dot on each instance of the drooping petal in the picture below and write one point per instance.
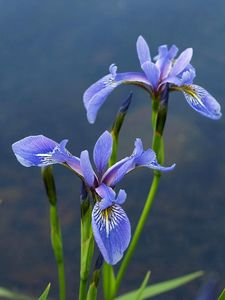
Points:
(41, 151)
(97, 93)
(139, 158)
(87, 170)
(181, 62)
(201, 101)
(112, 232)
(115, 173)
(156, 166)
(152, 73)
(102, 151)
(143, 50)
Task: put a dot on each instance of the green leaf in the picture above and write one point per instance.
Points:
(7, 294)
(222, 295)
(44, 295)
(162, 287)
(143, 286)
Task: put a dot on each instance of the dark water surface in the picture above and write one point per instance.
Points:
(50, 52)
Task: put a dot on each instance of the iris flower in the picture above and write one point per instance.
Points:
(165, 70)
(111, 227)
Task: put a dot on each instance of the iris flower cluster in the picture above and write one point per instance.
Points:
(110, 224)
(163, 71)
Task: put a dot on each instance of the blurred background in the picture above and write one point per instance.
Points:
(50, 52)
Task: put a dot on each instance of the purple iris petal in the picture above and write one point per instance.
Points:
(112, 232)
(181, 62)
(122, 196)
(187, 75)
(143, 50)
(115, 173)
(108, 196)
(106, 192)
(97, 93)
(139, 158)
(86, 167)
(201, 101)
(151, 72)
(102, 151)
(156, 166)
(164, 60)
(38, 151)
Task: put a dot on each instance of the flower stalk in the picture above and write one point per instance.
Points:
(87, 243)
(159, 112)
(56, 237)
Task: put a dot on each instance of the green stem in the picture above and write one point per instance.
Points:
(158, 122)
(87, 244)
(137, 233)
(56, 238)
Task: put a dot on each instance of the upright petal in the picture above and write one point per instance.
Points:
(152, 73)
(112, 232)
(164, 60)
(86, 167)
(97, 93)
(181, 62)
(201, 101)
(40, 151)
(143, 50)
(102, 152)
(108, 196)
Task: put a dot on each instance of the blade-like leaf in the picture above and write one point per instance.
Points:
(162, 287)
(7, 294)
(222, 295)
(44, 295)
(143, 286)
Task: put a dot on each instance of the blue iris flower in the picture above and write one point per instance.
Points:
(111, 227)
(163, 71)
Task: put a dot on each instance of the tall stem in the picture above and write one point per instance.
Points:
(138, 231)
(158, 121)
(56, 238)
(87, 243)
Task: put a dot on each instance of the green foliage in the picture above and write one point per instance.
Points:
(222, 295)
(44, 295)
(160, 288)
(143, 286)
(7, 294)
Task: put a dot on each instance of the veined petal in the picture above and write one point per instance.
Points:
(86, 167)
(41, 151)
(181, 62)
(151, 72)
(115, 173)
(143, 50)
(139, 158)
(102, 151)
(112, 232)
(97, 93)
(156, 166)
(201, 101)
